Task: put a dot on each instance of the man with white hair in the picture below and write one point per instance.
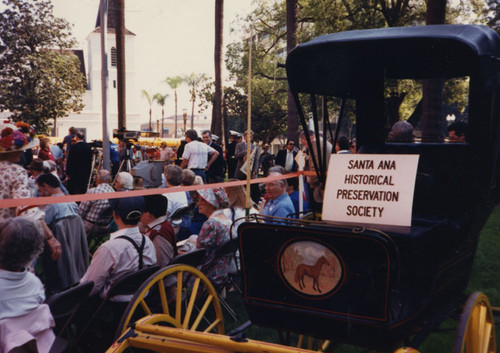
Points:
(279, 203)
(94, 212)
(51, 167)
(176, 200)
(124, 182)
(214, 174)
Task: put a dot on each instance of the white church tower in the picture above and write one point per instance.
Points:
(89, 120)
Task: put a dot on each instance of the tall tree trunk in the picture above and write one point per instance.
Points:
(192, 114)
(175, 124)
(219, 25)
(120, 63)
(225, 126)
(54, 129)
(433, 121)
(435, 12)
(162, 120)
(291, 42)
(150, 117)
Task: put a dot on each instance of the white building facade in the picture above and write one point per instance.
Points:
(89, 120)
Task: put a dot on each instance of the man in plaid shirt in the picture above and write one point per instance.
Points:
(96, 214)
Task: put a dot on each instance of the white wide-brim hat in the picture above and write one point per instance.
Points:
(16, 137)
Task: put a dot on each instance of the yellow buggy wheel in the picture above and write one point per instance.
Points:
(476, 328)
(182, 296)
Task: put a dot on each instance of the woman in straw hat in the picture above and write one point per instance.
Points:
(14, 140)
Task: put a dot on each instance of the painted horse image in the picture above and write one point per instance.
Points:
(310, 271)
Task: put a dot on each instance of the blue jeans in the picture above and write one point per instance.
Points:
(201, 172)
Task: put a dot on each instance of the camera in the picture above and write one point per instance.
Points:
(126, 134)
(95, 144)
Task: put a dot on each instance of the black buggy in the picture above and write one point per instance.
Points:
(379, 287)
(389, 283)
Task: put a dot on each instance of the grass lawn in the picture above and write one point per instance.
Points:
(485, 278)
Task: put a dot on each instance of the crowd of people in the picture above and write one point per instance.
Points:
(46, 249)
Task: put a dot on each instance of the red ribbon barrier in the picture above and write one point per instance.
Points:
(38, 201)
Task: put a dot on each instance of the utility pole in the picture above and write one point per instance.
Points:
(217, 124)
(104, 84)
(120, 62)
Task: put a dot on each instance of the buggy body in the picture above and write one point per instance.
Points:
(383, 284)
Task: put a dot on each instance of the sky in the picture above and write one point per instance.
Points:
(173, 37)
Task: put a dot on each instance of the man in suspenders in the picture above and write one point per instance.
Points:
(126, 250)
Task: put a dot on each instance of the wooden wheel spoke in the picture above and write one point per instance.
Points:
(202, 312)
(325, 345)
(482, 321)
(212, 326)
(486, 337)
(192, 299)
(301, 341)
(163, 296)
(471, 331)
(178, 299)
(145, 307)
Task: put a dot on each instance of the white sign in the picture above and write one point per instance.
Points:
(370, 188)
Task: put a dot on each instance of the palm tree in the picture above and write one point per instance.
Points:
(193, 81)
(174, 82)
(150, 102)
(161, 99)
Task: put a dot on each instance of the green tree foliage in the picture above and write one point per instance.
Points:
(319, 17)
(493, 14)
(40, 78)
(269, 87)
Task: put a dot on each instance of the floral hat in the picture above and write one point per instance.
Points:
(16, 137)
(217, 197)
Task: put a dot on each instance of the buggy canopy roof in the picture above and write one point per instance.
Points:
(342, 64)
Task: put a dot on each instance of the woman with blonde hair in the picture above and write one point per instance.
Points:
(237, 206)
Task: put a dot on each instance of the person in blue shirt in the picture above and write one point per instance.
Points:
(278, 203)
(114, 157)
(293, 192)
